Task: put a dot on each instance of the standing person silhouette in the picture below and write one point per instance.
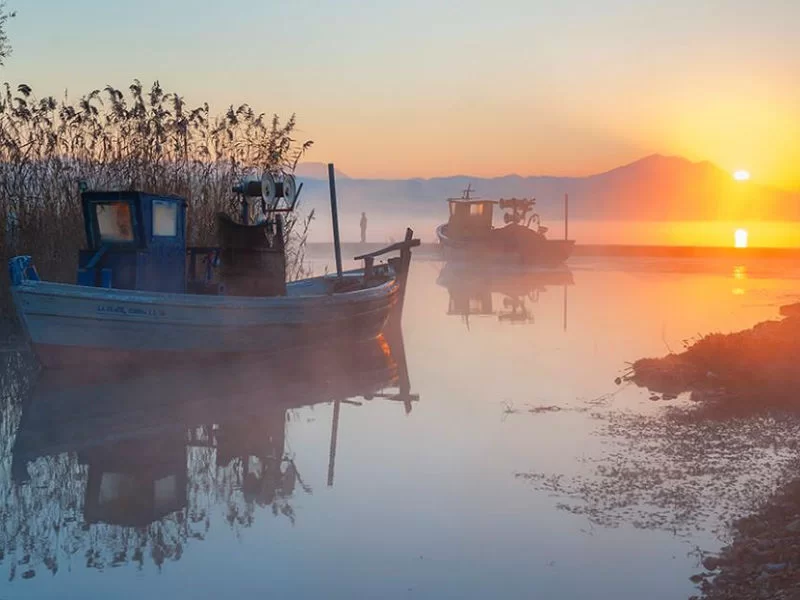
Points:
(363, 227)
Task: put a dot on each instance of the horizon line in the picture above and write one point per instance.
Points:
(654, 155)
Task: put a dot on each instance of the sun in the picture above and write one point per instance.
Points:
(741, 175)
(740, 238)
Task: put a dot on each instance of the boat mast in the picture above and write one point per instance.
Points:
(465, 194)
(337, 247)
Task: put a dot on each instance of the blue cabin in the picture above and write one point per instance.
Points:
(135, 241)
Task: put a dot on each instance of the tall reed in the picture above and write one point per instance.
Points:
(144, 139)
(5, 46)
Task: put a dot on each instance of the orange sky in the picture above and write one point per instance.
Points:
(408, 89)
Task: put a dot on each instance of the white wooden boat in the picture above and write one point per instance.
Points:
(72, 325)
(134, 302)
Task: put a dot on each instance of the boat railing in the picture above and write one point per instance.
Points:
(403, 247)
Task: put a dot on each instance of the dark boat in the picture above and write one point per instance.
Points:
(470, 234)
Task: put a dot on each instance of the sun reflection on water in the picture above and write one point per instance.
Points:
(739, 274)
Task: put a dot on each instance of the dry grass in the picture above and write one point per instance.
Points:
(148, 140)
(5, 46)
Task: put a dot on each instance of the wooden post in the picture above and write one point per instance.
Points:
(337, 248)
(334, 436)
(405, 264)
(566, 216)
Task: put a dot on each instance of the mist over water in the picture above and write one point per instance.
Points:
(656, 200)
(508, 477)
(384, 226)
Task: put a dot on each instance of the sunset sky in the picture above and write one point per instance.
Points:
(413, 88)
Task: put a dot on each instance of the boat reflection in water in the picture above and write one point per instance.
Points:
(122, 470)
(472, 289)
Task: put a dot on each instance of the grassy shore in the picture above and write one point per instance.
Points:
(748, 370)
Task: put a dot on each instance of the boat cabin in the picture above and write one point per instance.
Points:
(135, 241)
(469, 217)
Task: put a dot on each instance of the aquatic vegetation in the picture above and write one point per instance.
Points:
(676, 471)
(150, 140)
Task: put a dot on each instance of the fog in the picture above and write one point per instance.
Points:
(385, 225)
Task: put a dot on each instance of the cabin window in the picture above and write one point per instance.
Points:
(475, 210)
(165, 219)
(114, 221)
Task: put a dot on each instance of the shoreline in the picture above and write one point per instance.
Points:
(605, 250)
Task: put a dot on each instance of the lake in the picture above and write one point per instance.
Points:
(481, 449)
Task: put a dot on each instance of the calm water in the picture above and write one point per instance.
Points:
(465, 456)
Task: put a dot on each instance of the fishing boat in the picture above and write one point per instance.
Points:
(470, 234)
(138, 297)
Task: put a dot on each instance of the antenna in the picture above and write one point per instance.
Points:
(465, 194)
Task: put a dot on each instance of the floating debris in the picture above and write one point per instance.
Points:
(544, 409)
(677, 471)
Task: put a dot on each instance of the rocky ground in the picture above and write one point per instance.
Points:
(749, 372)
(764, 559)
(752, 369)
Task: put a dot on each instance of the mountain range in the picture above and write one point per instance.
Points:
(654, 188)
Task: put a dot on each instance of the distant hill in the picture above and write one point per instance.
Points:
(316, 170)
(655, 188)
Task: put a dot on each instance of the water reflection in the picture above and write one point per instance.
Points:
(131, 470)
(575, 493)
(739, 275)
(472, 290)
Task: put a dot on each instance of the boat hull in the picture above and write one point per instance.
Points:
(78, 326)
(514, 245)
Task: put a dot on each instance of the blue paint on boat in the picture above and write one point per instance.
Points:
(135, 241)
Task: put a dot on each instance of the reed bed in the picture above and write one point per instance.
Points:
(144, 139)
